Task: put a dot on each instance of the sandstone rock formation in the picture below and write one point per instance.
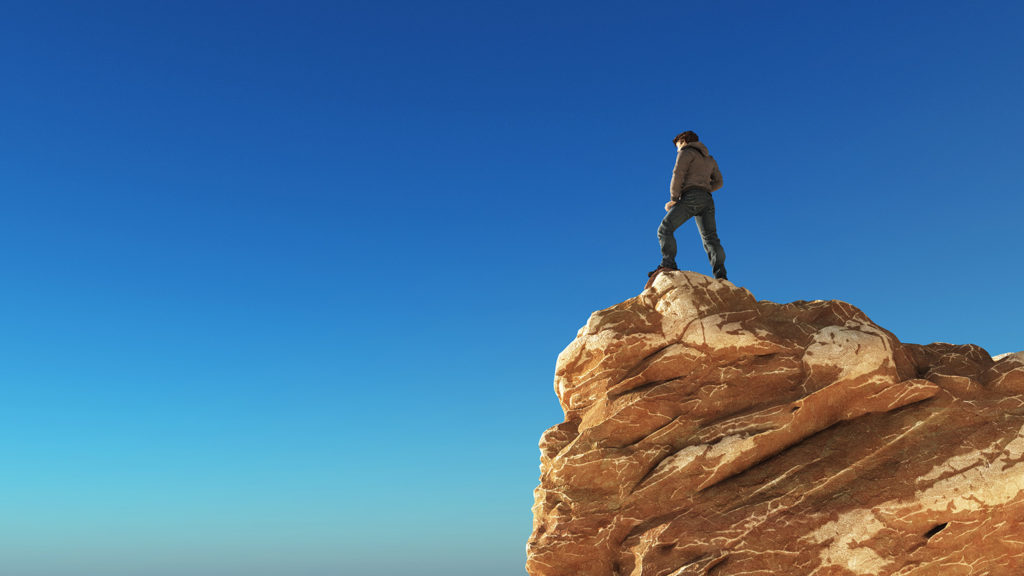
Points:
(708, 433)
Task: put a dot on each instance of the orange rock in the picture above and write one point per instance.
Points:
(708, 433)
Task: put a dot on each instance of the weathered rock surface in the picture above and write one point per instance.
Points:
(707, 432)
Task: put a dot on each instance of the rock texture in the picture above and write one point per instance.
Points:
(710, 433)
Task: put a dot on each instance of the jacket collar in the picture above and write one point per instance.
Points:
(699, 147)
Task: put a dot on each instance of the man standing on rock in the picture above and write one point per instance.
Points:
(694, 178)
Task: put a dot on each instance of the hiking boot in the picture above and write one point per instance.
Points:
(660, 269)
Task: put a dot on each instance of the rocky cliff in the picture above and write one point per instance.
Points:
(708, 433)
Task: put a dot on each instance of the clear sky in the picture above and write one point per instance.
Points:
(282, 284)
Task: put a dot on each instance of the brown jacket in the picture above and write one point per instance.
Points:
(695, 168)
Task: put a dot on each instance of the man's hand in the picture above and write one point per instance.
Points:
(669, 205)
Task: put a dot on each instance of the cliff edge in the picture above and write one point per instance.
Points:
(709, 433)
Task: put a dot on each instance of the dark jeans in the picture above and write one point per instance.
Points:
(697, 204)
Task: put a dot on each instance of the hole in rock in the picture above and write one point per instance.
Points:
(935, 530)
(794, 409)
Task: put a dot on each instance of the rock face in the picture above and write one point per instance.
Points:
(708, 433)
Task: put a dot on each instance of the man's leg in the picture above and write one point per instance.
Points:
(675, 218)
(709, 236)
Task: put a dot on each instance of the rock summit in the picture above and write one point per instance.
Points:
(709, 433)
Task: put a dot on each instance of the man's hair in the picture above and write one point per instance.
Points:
(688, 136)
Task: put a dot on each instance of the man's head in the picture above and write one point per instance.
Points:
(685, 138)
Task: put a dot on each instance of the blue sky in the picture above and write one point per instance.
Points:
(283, 284)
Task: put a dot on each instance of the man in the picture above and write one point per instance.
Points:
(694, 178)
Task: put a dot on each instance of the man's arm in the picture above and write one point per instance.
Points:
(716, 178)
(683, 161)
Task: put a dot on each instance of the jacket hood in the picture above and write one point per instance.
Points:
(699, 147)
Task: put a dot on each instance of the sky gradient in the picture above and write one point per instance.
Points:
(283, 284)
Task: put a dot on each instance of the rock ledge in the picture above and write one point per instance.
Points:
(708, 433)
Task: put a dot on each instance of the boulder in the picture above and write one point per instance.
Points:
(709, 433)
